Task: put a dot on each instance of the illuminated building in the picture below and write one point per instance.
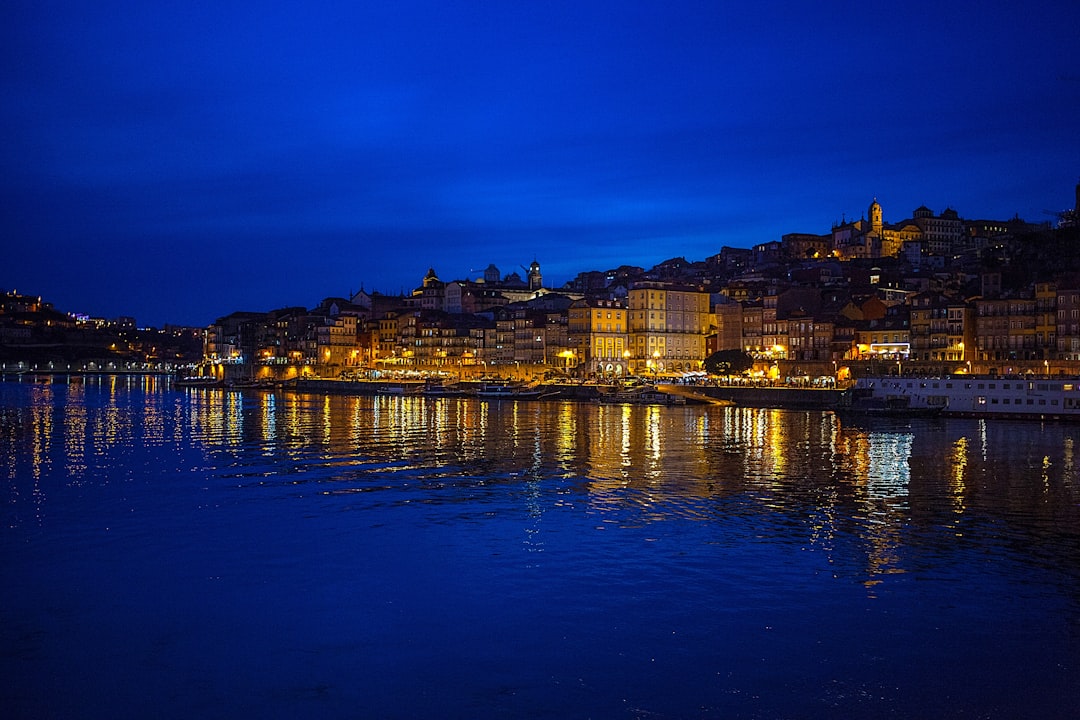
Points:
(597, 336)
(942, 329)
(668, 326)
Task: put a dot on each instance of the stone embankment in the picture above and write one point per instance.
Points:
(759, 397)
(774, 397)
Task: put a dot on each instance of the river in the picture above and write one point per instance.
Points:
(218, 554)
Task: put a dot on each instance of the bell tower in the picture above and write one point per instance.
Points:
(875, 217)
(536, 280)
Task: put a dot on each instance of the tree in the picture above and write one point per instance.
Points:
(727, 362)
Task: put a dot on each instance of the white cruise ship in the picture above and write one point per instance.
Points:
(972, 395)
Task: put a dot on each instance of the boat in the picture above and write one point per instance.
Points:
(197, 381)
(386, 389)
(640, 395)
(863, 401)
(498, 391)
(442, 390)
(970, 396)
(251, 384)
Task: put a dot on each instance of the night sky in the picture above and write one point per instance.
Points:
(179, 161)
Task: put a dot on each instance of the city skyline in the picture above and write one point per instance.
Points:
(178, 165)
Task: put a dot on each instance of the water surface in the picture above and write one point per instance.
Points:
(198, 553)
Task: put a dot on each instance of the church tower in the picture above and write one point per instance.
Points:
(876, 223)
(536, 281)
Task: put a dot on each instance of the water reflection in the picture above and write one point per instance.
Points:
(885, 484)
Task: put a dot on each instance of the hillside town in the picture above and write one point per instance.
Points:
(934, 293)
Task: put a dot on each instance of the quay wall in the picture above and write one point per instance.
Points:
(775, 397)
(760, 397)
(372, 387)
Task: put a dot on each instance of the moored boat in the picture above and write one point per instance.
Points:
(971, 396)
(443, 390)
(862, 401)
(388, 389)
(497, 391)
(640, 395)
(197, 381)
(251, 384)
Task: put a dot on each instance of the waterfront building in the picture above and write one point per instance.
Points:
(887, 337)
(598, 332)
(283, 338)
(727, 319)
(845, 339)
(668, 325)
(752, 327)
(530, 346)
(1046, 319)
(540, 329)
(388, 345)
(774, 331)
(1006, 329)
(234, 337)
(437, 339)
(942, 329)
(808, 339)
(1068, 319)
(336, 341)
(502, 351)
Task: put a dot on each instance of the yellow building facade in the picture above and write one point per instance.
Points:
(668, 327)
(597, 332)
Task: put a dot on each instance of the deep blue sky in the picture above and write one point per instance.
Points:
(178, 161)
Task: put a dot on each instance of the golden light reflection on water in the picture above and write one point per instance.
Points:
(879, 465)
(1068, 459)
(42, 426)
(657, 462)
(75, 429)
(958, 462)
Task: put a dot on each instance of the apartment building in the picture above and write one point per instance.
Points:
(668, 326)
(597, 336)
